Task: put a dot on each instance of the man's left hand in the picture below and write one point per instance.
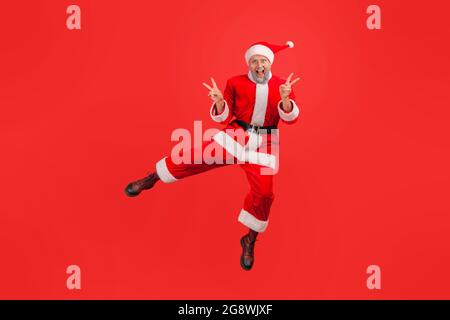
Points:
(286, 88)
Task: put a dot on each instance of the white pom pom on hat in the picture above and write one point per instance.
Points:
(266, 49)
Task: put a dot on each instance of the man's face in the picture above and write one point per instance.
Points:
(259, 65)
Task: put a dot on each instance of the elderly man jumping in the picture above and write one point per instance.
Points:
(252, 105)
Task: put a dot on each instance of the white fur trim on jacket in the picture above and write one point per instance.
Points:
(291, 116)
(243, 154)
(220, 117)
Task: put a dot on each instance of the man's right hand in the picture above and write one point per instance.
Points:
(216, 95)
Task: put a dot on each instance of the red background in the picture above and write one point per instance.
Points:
(364, 175)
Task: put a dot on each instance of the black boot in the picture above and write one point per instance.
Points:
(135, 188)
(248, 249)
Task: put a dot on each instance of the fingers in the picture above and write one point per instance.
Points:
(207, 87)
(215, 97)
(214, 92)
(214, 83)
(295, 81)
(289, 78)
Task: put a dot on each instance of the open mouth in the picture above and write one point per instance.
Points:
(260, 72)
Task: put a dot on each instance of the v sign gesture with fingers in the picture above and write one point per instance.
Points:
(216, 95)
(285, 91)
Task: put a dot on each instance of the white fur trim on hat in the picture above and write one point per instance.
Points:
(260, 50)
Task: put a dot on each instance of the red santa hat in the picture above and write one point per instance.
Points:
(266, 49)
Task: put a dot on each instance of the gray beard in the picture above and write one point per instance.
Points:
(260, 80)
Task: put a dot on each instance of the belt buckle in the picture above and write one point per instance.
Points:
(256, 129)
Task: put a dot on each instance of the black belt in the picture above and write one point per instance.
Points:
(249, 127)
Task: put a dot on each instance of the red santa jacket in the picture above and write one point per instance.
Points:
(258, 104)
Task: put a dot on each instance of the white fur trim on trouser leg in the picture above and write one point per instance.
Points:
(247, 219)
(291, 116)
(163, 172)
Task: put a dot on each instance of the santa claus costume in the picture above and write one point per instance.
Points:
(252, 112)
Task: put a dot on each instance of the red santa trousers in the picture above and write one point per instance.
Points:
(256, 208)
